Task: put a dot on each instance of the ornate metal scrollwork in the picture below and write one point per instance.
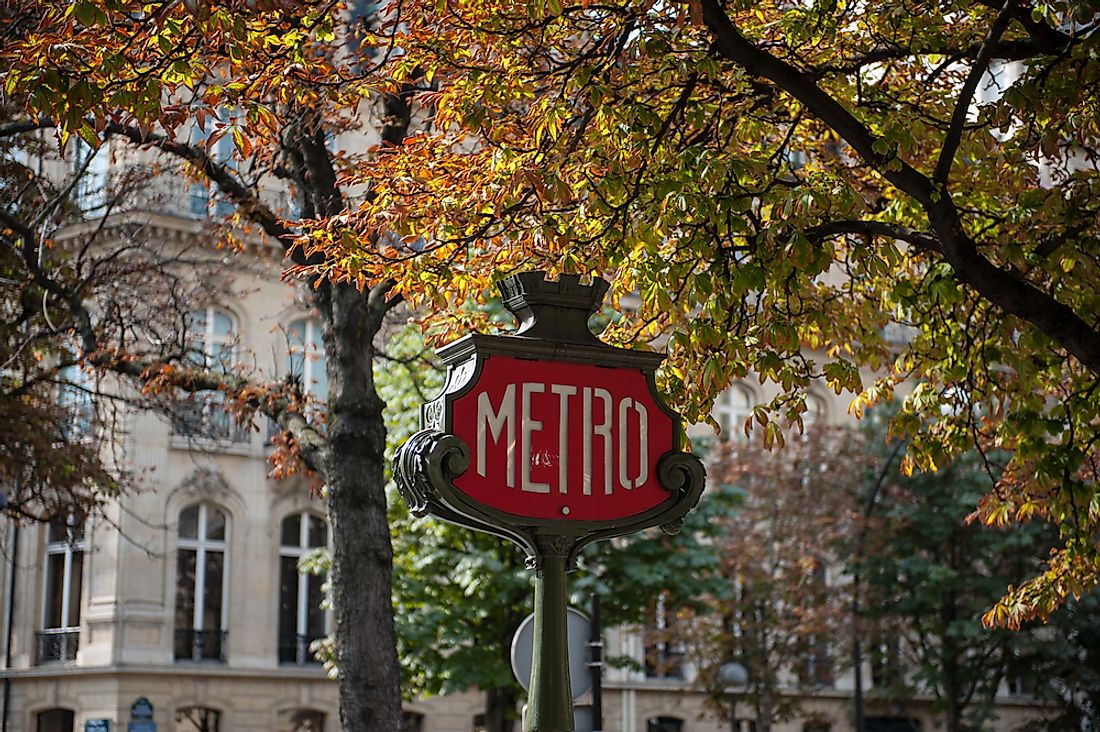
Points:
(428, 459)
(681, 473)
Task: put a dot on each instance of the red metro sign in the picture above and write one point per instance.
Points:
(560, 440)
(549, 432)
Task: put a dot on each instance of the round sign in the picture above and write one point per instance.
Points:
(578, 630)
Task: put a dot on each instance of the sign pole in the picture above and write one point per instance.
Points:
(550, 702)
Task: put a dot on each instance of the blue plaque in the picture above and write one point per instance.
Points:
(142, 726)
(141, 709)
(97, 725)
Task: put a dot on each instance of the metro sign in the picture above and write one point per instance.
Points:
(549, 432)
(554, 440)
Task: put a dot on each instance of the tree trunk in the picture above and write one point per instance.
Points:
(366, 647)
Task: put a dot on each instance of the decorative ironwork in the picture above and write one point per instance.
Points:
(194, 644)
(294, 648)
(57, 644)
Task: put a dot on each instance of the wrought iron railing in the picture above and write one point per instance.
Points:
(57, 644)
(207, 419)
(193, 644)
(295, 649)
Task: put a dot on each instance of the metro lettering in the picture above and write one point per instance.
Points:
(606, 425)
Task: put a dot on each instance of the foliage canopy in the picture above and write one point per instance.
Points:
(859, 194)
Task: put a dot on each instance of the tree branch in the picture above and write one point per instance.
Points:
(1005, 288)
(966, 94)
(29, 125)
(733, 46)
(876, 228)
(247, 202)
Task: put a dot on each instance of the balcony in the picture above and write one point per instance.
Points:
(194, 644)
(294, 649)
(207, 419)
(57, 645)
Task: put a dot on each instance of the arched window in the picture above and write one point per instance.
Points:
(301, 618)
(302, 720)
(202, 583)
(307, 356)
(64, 565)
(54, 720)
(197, 719)
(664, 724)
(731, 410)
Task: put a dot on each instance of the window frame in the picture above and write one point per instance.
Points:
(306, 357)
(67, 626)
(301, 606)
(201, 544)
(68, 548)
(727, 413)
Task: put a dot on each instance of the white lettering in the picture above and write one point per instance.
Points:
(643, 444)
(497, 422)
(590, 431)
(529, 425)
(612, 422)
(564, 391)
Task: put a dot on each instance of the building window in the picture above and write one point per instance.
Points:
(212, 344)
(412, 722)
(664, 724)
(197, 719)
(213, 338)
(307, 356)
(479, 723)
(202, 584)
(75, 395)
(200, 203)
(664, 653)
(59, 638)
(891, 724)
(302, 720)
(817, 666)
(732, 409)
(54, 720)
(886, 668)
(90, 172)
(301, 618)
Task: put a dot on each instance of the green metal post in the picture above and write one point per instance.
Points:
(550, 702)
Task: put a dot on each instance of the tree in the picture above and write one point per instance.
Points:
(930, 574)
(833, 506)
(852, 193)
(785, 614)
(142, 79)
